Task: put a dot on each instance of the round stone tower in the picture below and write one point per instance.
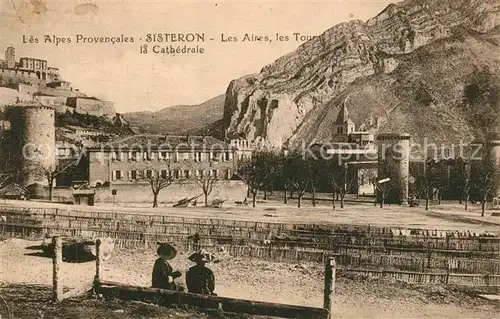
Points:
(33, 141)
(394, 162)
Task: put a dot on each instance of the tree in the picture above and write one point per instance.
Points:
(339, 178)
(50, 173)
(427, 180)
(467, 186)
(458, 179)
(254, 172)
(206, 182)
(442, 171)
(484, 181)
(299, 174)
(283, 177)
(317, 177)
(382, 188)
(158, 181)
(275, 168)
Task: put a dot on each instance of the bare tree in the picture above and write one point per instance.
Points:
(254, 172)
(50, 173)
(316, 179)
(383, 188)
(484, 180)
(158, 181)
(275, 168)
(339, 179)
(299, 173)
(466, 174)
(428, 180)
(206, 182)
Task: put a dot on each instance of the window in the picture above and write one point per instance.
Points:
(163, 156)
(213, 173)
(176, 157)
(186, 173)
(146, 156)
(133, 175)
(198, 156)
(133, 156)
(199, 173)
(214, 157)
(117, 175)
(116, 156)
(164, 173)
(228, 174)
(148, 173)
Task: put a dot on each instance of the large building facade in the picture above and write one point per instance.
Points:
(137, 158)
(29, 69)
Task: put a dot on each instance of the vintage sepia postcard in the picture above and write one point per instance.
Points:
(249, 159)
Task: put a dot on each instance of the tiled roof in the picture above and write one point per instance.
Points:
(165, 142)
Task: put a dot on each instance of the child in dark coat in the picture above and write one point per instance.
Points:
(163, 274)
(200, 279)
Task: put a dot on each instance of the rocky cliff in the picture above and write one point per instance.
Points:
(403, 70)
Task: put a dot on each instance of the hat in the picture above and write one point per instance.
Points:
(166, 249)
(201, 255)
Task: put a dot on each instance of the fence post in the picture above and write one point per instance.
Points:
(330, 270)
(97, 260)
(57, 261)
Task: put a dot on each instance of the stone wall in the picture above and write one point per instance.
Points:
(9, 76)
(141, 193)
(92, 106)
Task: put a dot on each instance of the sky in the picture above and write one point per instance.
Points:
(139, 82)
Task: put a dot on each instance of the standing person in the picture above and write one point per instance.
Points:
(196, 242)
(163, 275)
(200, 279)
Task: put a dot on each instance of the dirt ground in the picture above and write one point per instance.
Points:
(448, 216)
(297, 284)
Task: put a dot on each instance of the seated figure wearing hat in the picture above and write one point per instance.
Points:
(163, 274)
(200, 279)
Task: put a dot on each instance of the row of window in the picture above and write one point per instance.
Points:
(176, 157)
(134, 175)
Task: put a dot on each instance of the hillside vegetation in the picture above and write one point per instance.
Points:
(179, 119)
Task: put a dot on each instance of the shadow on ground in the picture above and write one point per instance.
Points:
(34, 301)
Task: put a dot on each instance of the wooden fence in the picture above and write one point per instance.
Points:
(238, 232)
(354, 246)
(427, 260)
(430, 278)
(39, 228)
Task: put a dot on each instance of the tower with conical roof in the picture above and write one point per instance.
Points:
(344, 125)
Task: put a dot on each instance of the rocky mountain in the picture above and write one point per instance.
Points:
(180, 119)
(402, 71)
